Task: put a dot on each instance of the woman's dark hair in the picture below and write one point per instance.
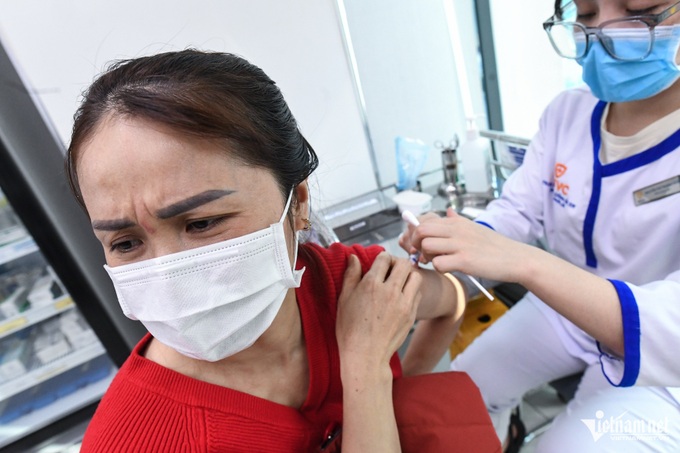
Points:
(209, 95)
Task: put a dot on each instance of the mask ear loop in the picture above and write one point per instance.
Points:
(285, 209)
(296, 275)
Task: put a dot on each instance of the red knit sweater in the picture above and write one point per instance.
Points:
(150, 408)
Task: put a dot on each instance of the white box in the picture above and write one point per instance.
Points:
(41, 294)
(14, 359)
(48, 347)
(12, 306)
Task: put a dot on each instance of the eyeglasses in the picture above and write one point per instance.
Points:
(573, 40)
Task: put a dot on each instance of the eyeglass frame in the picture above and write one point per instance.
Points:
(651, 20)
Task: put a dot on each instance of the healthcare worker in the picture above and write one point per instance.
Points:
(600, 182)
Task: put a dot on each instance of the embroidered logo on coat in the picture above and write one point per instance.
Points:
(561, 187)
(558, 187)
(560, 169)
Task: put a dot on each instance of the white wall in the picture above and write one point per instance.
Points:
(530, 73)
(61, 45)
(408, 73)
(402, 48)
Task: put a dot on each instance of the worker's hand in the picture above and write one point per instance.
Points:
(405, 239)
(375, 313)
(455, 243)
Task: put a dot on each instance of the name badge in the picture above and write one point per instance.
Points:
(657, 191)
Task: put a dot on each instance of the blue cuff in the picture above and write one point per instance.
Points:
(485, 224)
(631, 336)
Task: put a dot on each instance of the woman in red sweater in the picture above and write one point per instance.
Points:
(193, 173)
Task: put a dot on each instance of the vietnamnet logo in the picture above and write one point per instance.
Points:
(625, 427)
(559, 187)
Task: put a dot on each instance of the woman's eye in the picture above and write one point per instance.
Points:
(642, 12)
(125, 246)
(647, 8)
(203, 225)
(585, 16)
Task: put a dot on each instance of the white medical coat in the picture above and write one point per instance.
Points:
(587, 214)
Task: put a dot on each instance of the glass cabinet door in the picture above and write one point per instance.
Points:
(51, 361)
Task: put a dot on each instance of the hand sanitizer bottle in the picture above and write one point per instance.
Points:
(475, 160)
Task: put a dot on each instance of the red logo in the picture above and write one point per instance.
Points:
(563, 188)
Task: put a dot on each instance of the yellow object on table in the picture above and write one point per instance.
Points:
(480, 313)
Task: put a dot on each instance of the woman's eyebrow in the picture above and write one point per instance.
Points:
(191, 203)
(112, 225)
(165, 213)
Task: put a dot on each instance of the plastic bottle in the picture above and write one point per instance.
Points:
(475, 155)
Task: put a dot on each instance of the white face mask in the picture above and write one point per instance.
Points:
(213, 301)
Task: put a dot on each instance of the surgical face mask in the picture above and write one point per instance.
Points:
(213, 301)
(613, 80)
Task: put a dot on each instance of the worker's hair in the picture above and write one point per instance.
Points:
(218, 96)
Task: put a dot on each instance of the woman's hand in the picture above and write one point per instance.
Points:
(455, 243)
(375, 312)
(406, 237)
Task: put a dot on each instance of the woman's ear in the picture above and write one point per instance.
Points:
(301, 209)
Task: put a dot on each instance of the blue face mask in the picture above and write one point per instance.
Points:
(613, 80)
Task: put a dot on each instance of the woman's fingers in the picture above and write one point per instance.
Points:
(389, 270)
(376, 312)
(398, 273)
(453, 236)
(380, 268)
(455, 243)
(432, 247)
(352, 275)
(405, 237)
(400, 302)
(412, 291)
(427, 217)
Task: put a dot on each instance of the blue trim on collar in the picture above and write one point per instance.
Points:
(654, 153)
(600, 171)
(631, 336)
(591, 213)
(485, 224)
